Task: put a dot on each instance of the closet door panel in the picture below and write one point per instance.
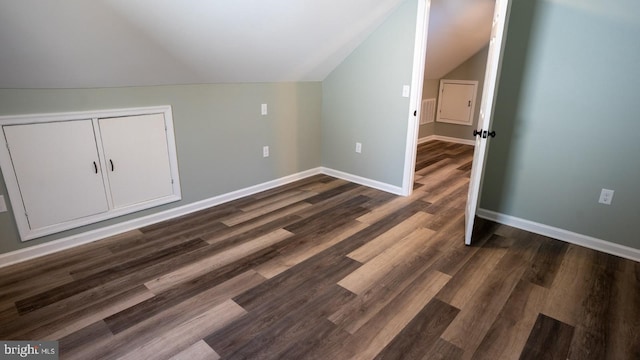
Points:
(137, 158)
(58, 171)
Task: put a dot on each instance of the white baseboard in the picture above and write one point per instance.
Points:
(447, 139)
(561, 234)
(35, 251)
(363, 181)
(93, 235)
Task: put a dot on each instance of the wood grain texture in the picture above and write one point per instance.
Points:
(421, 333)
(180, 337)
(403, 252)
(376, 246)
(549, 339)
(197, 351)
(508, 334)
(489, 298)
(378, 332)
(326, 269)
(216, 261)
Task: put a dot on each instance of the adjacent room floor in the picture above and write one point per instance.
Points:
(326, 269)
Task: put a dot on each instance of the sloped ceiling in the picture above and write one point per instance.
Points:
(106, 43)
(457, 30)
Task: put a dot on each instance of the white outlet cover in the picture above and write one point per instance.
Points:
(265, 151)
(3, 205)
(263, 109)
(606, 196)
(406, 90)
(358, 147)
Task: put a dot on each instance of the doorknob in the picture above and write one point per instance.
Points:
(484, 133)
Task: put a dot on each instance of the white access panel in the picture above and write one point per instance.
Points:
(136, 158)
(58, 171)
(457, 101)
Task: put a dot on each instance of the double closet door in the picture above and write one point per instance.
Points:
(74, 172)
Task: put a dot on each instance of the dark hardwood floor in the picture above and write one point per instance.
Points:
(326, 269)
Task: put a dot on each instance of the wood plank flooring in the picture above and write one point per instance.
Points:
(326, 269)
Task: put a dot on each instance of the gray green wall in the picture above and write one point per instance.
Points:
(362, 102)
(219, 135)
(472, 69)
(567, 118)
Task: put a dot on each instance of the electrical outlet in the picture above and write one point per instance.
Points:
(3, 205)
(265, 151)
(263, 109)
(358, 147)
(606, 196)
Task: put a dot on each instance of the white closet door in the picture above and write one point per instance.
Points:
(457, 103)
(57, 170)
(137, 158)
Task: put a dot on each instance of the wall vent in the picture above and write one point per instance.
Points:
(428, 111)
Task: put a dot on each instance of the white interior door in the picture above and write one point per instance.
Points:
(484, 123)
(58, 171)
(136, 158)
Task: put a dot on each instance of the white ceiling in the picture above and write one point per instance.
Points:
(102, 43)
(457, 30)
(105, 43)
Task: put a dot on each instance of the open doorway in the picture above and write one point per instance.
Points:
(457, 50)
(494, 53)
(456, 60)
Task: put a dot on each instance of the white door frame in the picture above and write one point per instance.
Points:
(415, 97)
(499, 24)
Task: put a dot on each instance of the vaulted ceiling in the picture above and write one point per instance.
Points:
(457, 30)
(105, 43)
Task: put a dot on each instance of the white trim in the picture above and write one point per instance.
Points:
(447, 139)
(13, 188)
(80, 115)
(425, 139)
(488, 98)
(363, 181)
(561, 234)
(417, 81)
(94, 235)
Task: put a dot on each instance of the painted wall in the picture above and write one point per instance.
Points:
(472, 69)
(362, 102)
(567, 118)
(219, 135)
